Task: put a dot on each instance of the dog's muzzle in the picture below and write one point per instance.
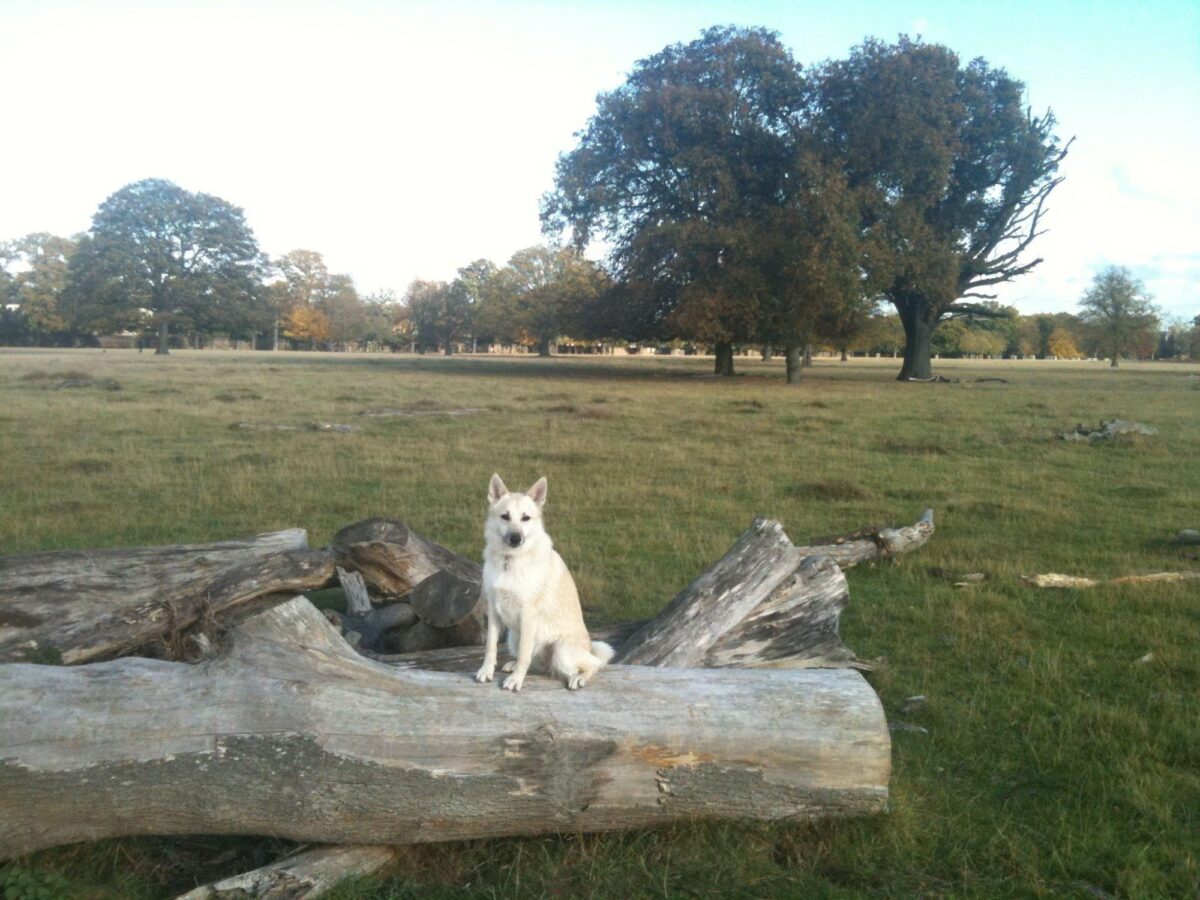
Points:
(513, 538)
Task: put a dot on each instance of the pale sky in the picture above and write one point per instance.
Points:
(403, 140)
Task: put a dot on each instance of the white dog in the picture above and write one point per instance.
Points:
(530, 592)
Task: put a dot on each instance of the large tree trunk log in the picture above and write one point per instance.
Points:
(301, 877)
(289, 732)
(76, 606)
(716, 601)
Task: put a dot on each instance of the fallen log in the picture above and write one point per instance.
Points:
(76, 606)
(289, 732)
(869, 544)
(794, 625)
(300, 877)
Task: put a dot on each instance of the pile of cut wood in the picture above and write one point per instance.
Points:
(194, 689)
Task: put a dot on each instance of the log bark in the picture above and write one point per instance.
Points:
(289, 732)
(716, 601)
(443, 587)
(303, 876)
(77, 606)
(394, 559)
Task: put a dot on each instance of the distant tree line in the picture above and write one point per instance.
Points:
(746, 202)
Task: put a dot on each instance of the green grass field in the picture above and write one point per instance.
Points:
(1060, 759)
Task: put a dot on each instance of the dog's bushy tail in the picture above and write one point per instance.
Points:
(602, 652)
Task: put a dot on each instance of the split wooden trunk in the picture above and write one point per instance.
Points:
(290, 732)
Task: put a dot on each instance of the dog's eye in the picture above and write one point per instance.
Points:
(505, 516)
(525, 517)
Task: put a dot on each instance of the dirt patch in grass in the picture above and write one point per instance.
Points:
(566, 458)
(43, 376)
(70, 379)
(1141, 491)
(236, 395)
(922, 495)
(818, 404)
(928, 447)
(749, 406)
(986, 508)
(253, 459)
(88, 466)
(583, 412)
(834, 489)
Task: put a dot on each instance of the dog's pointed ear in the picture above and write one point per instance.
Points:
(537, 493)
(496, 489)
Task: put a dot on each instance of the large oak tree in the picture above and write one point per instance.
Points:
(675, 170)
(183, 257)
(954, 171)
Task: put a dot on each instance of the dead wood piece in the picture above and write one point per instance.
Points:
(872, 543)
(396, 615)
(1188, 537)
(1054, 580)
(444, 599)
(311, 426)
(721, 597)
(422, 636)
(394, 559)
(289, 732)
(1114, 428)
(304, 876)
(358, 603)
(389, 412)
(76, 606)
(796, 626)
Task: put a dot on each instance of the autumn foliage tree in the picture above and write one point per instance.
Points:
(1061, 345)
(41, 265)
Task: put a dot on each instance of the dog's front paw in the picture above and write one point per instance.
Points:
(575, 682)
(513, 682)
(485, 674)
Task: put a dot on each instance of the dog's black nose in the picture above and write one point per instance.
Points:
(514, 539)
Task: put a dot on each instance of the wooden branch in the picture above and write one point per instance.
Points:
(304, 876)
(358, 602)
(77, 606)
(289, 732)
(1054, 580)
(873, 543)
